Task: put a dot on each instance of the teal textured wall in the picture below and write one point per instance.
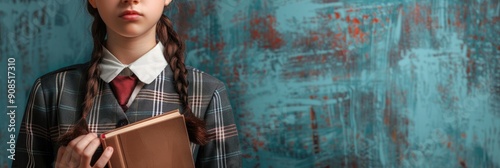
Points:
(314, 83)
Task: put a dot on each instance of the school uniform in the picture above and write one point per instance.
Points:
(55, 104)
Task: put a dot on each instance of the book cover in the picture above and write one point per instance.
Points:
(160, 141)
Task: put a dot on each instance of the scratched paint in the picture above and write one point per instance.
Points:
(355, 83)
(42, 36)
(319, 83)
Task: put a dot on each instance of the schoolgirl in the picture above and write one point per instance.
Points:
(136, 71)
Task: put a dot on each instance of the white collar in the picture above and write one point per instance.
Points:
(146, 68)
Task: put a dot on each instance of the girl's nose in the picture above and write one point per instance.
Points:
(131, 1)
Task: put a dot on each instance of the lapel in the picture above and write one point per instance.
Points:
(153, 99)
(106, 112)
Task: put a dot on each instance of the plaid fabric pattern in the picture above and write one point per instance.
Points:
(55, 100)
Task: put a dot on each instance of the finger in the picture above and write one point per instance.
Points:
(103, 160)
(60, 153)
(77, 154)
(83, 143)
(89, 152)
(66, 158)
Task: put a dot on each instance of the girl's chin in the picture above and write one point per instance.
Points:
(131, 32)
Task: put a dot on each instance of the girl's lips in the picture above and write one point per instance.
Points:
(130, 15)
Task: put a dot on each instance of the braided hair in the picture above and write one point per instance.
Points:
(173, 53)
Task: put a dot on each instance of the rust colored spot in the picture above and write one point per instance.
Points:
(255, 34)
(457, 20)
(312, 114)
(375, 20)
(315, 38)
(356, 21)
(299, 58)
(463, 135)
(417, 15)
(357, 31)
(495, 19)
(236, 73)
(257, 144)
(263, 30)
(448, 145)
(462, 163)
(387, 111)
(337, 15)
(428, 23)
(394, 136)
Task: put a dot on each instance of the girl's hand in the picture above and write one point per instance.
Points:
(79, 152)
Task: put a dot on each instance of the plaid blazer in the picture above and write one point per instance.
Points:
(54, 105)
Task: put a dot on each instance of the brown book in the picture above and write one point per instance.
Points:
(160, 141)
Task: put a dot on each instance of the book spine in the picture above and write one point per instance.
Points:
(102, 138)
(117, 159)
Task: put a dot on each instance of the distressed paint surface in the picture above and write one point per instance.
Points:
(317, 83)
(355, 83)
(42, 36)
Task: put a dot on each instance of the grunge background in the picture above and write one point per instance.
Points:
(313, 83)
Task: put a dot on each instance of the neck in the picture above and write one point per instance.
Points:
(129, 49)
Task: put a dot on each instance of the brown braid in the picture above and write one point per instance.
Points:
(98, 35)
(174, 54)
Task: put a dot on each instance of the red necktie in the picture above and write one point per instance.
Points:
(123, 86)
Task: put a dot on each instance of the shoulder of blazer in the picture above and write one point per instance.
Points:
(207, 78)
(78, 68)
(72, 74)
